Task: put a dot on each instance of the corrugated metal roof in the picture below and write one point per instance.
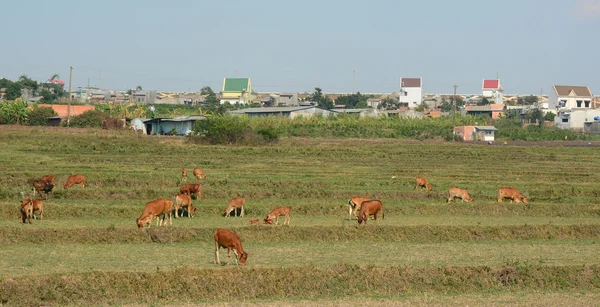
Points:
(488, 128)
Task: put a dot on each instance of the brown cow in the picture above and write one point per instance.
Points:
(183, 175)
(199, 173)
(267, 222)
(192, 189)
(184, 200)
(458, 193)
(275, 213)
(354, 205)
(49, 178)
(254, 222)
(234, 204)
(75, 179)
(26, 210)
(160, 208)
(368, 208)
(42, 186)
(512, 194)
(38, 205)
(422, 182)
(230, 240)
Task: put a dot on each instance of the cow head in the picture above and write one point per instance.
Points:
(467, 199)
(243, 258)
(142, 221)
(428, 186)
(522, 199)
(360, 219)
(268, 221)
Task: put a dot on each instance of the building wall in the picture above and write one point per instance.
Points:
(414, 96)
(311, 112)
(576, 118)
(465, 132)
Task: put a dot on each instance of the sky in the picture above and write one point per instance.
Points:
(339, 46)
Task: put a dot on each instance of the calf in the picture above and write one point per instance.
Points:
(234, 204)
(512, 194)
(158, 208)
(254, 222)
(38, 205)
(181, 201)
(354, 205)
(230, 240)
(192, 189)
(26, 210)
(49, 178)
(199, 173)
(368, 208)
(183, 175)
(458, 193)
(422, 182)
(75, 179)
(42, 186)
(275, 213)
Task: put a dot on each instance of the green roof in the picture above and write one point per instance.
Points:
(236, 84)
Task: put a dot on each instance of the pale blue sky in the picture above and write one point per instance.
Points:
(295, 46)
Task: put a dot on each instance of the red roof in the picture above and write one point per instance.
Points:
(491, 84)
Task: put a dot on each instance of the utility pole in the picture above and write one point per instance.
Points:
(454, 113)
(353, 81)
(69, 107)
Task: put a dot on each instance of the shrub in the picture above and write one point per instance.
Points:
(223, 129)
(89, 119)
(39, 116)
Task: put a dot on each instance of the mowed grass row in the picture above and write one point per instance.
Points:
(213, 209)
(124, 166)
(187, 285)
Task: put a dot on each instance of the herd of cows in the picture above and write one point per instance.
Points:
(362, 208)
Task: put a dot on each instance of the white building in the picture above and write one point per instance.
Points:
(492, 90)
(411, 92)
(570, 97)
(575, 118)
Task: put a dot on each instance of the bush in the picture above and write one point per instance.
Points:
(39, 116)
(223, 129)
(89, 119)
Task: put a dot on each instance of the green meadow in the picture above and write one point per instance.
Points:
(87, 249)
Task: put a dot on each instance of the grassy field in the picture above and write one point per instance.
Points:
(88, 251)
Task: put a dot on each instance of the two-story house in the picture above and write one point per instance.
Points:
(411, 92)
(570, 97)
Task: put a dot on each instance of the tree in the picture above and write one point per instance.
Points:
(537, 115)
(39, 116)
(422, 107)
(353, 101)
(138, 88)
(271, 102)
(549, 116)
(321, 100)
(445, 106)
(528, 100)
(388, 103)
(484, 101)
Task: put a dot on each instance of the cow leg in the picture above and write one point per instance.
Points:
(170, 219)
(287, 219)
(177, 210)
(242, 211)
(355, 211)
(277, 220)
(216, 259)
(229, 255)
(237, 256)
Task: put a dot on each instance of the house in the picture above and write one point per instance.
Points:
(492, 110)
(475, 133)
(144, 97)
(492, 90)
(291, 112)
(411, 92)
(575, 118)
(237, 90)
(362, 113)
(181, 125)
(570, 97)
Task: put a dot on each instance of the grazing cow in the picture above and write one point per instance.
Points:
(422, 182)
(235, 204)
(458, 193)
(230, 240)
(42, 186)
(368, 208)
(49, 178)
(38, 205)
(254, 222)
(75, 179)
(199, 173)
(512, 194)
(354, 205)
(275, 213)
(26, 210)
(184, 200)
(160, 208)
(183, 175)
(192, 189)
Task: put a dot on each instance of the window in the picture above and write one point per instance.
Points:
(587, 103)
(579, 103)
(565, 119)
